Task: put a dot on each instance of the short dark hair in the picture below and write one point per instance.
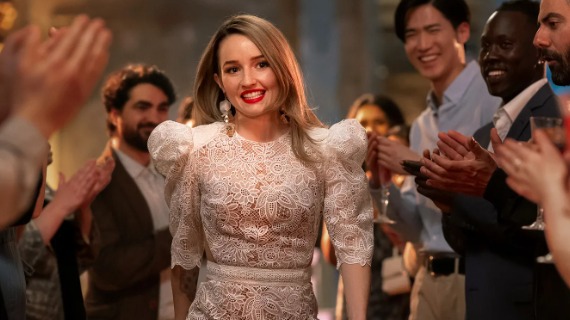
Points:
(388, 106)
(527, 7)
(456, 11)
(117, 88)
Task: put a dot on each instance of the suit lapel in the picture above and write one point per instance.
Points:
(520, 130)
(483, 135)
(127, 187)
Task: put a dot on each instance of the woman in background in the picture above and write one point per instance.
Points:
(379, 114)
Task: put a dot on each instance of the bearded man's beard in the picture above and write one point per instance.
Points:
(561, 70)
(138, 138)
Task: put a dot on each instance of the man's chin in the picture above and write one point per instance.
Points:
(560, 77)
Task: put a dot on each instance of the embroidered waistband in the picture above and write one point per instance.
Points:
(259, 275)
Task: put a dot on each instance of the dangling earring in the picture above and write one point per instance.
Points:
(284, 117)
(225, 107)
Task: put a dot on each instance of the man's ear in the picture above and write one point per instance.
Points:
(219, 82)
(113, 116)
(463, 32)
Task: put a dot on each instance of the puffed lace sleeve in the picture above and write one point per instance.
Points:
(171, 147)
(348, 206)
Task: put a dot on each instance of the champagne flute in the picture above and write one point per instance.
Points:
(562, 143)
(385, 180)
(554, 129)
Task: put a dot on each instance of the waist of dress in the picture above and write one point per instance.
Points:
(258, 275)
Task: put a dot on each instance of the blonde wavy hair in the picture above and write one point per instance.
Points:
(275, 48)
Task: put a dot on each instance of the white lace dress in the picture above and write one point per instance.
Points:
(255, 209)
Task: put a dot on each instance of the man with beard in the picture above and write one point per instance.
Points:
(130, 278)
(434, 34)
(502, 279)
(473, 170)
(553, 38)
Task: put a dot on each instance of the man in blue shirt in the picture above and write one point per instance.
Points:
(434, 34)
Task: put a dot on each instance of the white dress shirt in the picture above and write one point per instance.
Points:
(506, 115)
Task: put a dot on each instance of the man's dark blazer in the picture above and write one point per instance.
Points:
(500, 277)
(124, 280)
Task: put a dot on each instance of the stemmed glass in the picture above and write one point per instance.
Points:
(554, 129)
(385, 180)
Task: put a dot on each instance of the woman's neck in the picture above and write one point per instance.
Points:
(264, 128)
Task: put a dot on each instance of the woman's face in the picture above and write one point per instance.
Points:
(246, 77)
(373, 119)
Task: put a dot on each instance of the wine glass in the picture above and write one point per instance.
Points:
(554, 129)
(385, 180)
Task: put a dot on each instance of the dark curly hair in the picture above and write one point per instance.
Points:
(118, 86)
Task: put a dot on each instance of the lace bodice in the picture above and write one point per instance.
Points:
(255, 204)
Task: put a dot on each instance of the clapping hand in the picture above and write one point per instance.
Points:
(460, 164)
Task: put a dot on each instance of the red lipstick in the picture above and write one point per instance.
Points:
(253, 96)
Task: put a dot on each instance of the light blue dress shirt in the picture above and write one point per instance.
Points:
(466, 106)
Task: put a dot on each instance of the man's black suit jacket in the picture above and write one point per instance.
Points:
(502, 279)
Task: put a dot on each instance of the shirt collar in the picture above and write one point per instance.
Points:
(514, 107)
(457, 88)
(134, 169)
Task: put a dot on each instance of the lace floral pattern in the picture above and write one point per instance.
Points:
(257, 206)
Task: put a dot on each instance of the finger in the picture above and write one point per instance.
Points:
(394, 167)
(450, 165)
(371, 155)
(108, 165)
(450, 147)
(61, 179)
(481, 154)
(495, 139)
(456, 141)
(458, 137)
(83, 51)
(507, 158)
(384, 142)
(16, 41)
(54, 38)
(28, 49)
(64, 48)
(435, 176)
(372, 145)
(53, 31)
(431, 169)
(545, 143)
(83, 177)
(426, 154)
(98, 56)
